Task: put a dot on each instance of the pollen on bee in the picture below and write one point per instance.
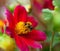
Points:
(23, 27)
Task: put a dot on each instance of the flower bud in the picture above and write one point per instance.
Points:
(6, 43)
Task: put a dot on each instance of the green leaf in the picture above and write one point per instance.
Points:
(7, 43)
(47, 15)
(56, 39)
(1, 34)
(56, 3)
(16, 49)
(46, 48)
(55, 42)
(57, 9)
(49, 35)
(56, 21)
(11, 7)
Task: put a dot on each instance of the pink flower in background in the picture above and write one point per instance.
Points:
(38, 5)
(23, 29)
(48, 4)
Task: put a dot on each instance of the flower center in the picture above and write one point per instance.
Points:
(23, 27)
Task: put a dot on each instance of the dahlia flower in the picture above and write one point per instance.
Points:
(23, 30)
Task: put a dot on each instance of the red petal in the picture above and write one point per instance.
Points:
(20, 13)
(36, 35)
(33, 21)
(10, 18)
(20, 43)
(33, 43)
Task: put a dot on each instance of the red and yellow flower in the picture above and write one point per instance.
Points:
(22, 29)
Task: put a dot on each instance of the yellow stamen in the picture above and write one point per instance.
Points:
(22, 27)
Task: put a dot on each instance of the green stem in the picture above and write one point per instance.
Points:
(52, 39)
